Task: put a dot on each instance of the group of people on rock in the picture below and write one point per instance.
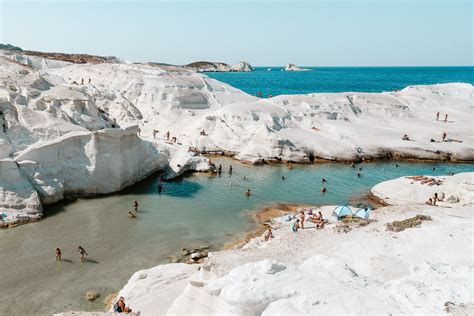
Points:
(445, 117)
(313, 217)
(435, 198)
(443, 136)
(260, 95)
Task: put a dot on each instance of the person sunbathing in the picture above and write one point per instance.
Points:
(120, 306)
(268, 234)
(320, 221)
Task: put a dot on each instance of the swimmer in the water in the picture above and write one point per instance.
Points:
(248, 193)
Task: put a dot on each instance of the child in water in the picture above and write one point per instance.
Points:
(58, 254)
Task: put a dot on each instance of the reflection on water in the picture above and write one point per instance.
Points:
(198, 210)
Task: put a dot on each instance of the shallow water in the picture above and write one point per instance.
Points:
(341, 79)
(198, 210)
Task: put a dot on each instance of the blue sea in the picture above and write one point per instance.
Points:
(341, 79)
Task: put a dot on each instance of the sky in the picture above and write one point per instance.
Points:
(261, 32)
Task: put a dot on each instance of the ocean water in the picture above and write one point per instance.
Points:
(197, 210)
(341, 79)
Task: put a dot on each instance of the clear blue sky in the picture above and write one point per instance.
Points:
(262, 32)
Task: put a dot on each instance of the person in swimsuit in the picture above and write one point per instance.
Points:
(58, 254)
(268, 234)
(120, 306)
(320, 221)
(83, 253)
(248, 193)
(302, 218)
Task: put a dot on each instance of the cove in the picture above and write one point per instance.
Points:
(194, 211)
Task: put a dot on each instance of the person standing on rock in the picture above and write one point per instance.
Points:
(58, 254)
(82, 252)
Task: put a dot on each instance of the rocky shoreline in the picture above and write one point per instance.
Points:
(74, 126)
(227, 269)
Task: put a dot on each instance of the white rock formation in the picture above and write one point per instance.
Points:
(242, 67)
(207, 66)
(90, 163)
(18, 199)
(52, 108)
(376, 271)
(293, 67)
(457, 190)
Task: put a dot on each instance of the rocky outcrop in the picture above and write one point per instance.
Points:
(242, 67)
(293, 67)
(9, 47)
(89, 163)
(18, 199)
(73, 58)
(206, 66)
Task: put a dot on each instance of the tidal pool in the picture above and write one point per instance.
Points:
(197, 210)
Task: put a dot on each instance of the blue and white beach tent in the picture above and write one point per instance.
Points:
(345, 211)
